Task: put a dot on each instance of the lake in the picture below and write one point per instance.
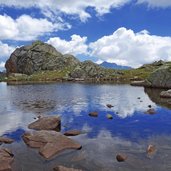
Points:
(129, 132)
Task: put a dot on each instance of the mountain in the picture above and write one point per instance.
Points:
(114, 66)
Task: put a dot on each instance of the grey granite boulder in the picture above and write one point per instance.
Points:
(38, 57)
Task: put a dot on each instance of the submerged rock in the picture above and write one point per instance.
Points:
(6, 140)
(72, 133)
(150, 111)
(62, 168)
(49, 143)
(151, 150)
(109, 116)
(165, 94)
(121, 157)
(6, 159)
(47, 123)
(93, 114)
(109, 105)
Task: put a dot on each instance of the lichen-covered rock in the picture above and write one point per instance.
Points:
(49, 143)
(37, 57)
(88, 69)
(161, 78)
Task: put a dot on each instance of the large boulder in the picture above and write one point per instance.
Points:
(161, 78)
(37, 57)
(49, 143)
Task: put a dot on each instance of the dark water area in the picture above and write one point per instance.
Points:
(130, 131)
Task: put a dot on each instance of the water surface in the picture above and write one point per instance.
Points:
(130, 131)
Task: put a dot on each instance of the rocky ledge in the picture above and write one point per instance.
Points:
(49, 143)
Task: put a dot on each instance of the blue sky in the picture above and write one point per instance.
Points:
(127, 32)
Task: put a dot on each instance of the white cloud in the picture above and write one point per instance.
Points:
(5, 50)
(156, 3)
(77, 45)
(27, 28)
(126, 47)
(2, 65)
(71, 7)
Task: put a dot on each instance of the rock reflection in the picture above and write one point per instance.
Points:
(154, 95)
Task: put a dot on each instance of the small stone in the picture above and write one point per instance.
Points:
(121, 157)
(93, 114)
(72, 133)
(150, 111)
(151, 149)
(62, 168)
(109, 116)
(109, 105)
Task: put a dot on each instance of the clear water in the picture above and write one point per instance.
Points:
(130, 131)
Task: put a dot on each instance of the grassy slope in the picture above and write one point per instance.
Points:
(141, 73)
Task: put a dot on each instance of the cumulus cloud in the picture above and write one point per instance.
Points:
(27, 28)
(77, 45)
(71, 7)
(5, 50)
(156, 3)
(126, 47)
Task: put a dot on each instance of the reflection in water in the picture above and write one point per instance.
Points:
(154, 95)
(130, 131)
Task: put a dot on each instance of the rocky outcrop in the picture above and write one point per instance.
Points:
(88, 69)
(6, 159)
(47, 123)
(38, 57)
(49, 143)
(161, 78)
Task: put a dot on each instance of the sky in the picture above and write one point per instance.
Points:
(126, 32)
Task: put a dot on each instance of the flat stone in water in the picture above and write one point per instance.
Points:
(6, 140)
(49, 143)
(93, 114)
(62, 168)
(47, 123)
(72, 133)
(6, 159)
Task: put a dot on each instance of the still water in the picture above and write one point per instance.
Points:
(130, 131)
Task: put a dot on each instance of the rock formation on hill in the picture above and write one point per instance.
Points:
(38, 57)
(161, 78)
(43, 57)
